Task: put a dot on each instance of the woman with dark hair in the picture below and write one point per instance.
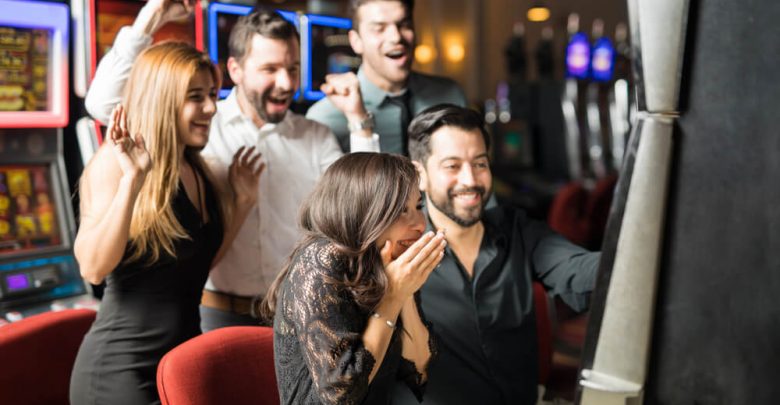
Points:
(346, 321)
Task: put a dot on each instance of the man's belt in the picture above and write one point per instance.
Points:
(228, 302)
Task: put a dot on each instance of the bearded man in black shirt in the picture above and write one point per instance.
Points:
(480, 299)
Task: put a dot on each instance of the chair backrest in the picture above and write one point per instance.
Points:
(567, 214)
(37, 355)
(581, 215)
(233, 365)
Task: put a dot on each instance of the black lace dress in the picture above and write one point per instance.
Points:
(145, 312)
(318, 345)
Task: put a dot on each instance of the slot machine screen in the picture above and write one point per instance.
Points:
(603, 60)
(33, 64)
(29, 218)
(326, 50)
(115, 14)
(578, 56)
(24, 79)
(221, 19)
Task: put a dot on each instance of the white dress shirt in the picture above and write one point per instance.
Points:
(296, 152)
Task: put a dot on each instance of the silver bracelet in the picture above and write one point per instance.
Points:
(390, 324)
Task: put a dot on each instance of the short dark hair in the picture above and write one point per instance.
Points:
(355, 4)
(443, 115)
(262, 21)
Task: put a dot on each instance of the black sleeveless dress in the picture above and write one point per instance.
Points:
(145, 312)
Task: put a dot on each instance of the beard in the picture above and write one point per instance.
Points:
(446, 205)
(259, 102)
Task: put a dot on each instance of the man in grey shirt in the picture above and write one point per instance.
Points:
(480, 299)
(385, 94)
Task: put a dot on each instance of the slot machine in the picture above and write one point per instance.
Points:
(38, 271)
(577, 70)
(602, 62)
(97, 24)
(684, 307)
(325, 49)
(622, 108)
(221, 19)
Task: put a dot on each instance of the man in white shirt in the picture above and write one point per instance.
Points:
(264, 63)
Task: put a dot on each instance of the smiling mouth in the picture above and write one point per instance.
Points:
(201, 124)
(397, 54)
(278, 100)
(470, 197)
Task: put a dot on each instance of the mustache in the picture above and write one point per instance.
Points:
(475, 189)
(279, 94)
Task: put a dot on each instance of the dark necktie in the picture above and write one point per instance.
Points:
(402, 101)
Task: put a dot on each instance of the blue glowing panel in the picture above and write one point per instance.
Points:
(326, 49)
(602, 63)
(578, 56)
(221, 19)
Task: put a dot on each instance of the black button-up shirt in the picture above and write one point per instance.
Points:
(485, 325)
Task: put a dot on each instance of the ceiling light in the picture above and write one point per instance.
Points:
(538, 13)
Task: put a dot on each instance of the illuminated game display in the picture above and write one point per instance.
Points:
(33, 64)
(325, 47)
(578, 56)
(36, 221)
(24, 61)
(28, 218)
(111, 15)
(37, 227)
(221, 19)
(603, 60)
(33, 229)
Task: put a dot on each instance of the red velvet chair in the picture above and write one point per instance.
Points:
(37, 355)
(233, 365)
(580, 214)
(567, 214)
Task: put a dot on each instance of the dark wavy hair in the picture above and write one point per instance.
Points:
(357, 199)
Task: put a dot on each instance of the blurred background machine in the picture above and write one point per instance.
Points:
(37, 269)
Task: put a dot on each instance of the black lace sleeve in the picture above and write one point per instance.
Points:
(407, 371)
(329, 327)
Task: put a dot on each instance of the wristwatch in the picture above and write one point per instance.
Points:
(365, 123)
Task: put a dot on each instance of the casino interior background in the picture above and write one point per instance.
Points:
(558, 94)
(504, 61)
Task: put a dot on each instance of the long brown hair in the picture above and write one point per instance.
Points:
(357, 199)
(155, 94)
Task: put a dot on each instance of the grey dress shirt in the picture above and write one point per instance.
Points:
(426, 91)
(485, 325)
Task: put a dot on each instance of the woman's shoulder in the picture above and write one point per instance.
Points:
(321, 252)
(316, 257)
(103, 163)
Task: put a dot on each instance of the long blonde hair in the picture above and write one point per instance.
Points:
(154, 96)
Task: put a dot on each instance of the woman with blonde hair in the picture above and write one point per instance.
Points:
(346, 321)
(151, 224)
